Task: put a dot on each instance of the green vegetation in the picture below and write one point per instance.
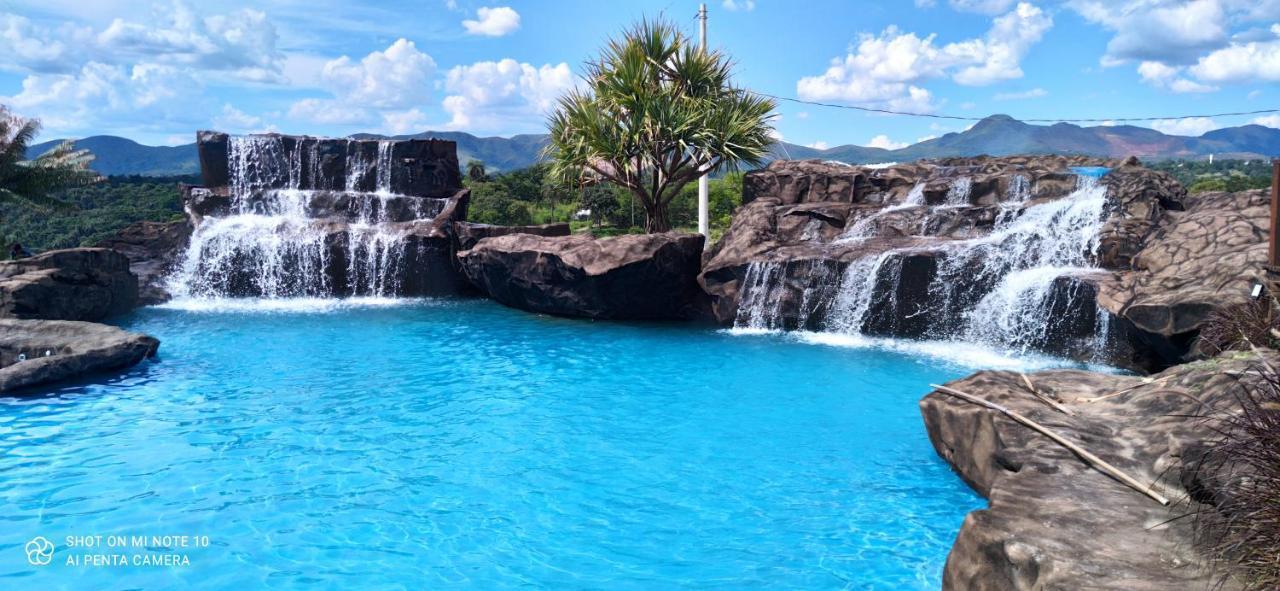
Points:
(1199, 176)
(98, 212)
(658, 113)
(532, 196)
(31, 183)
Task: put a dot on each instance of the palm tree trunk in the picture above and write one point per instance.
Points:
(656, 219)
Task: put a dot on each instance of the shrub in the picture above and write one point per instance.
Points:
(1234, 328)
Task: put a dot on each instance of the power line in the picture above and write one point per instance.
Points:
(962, 118)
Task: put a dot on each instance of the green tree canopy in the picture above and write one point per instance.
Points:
(657, 113)
(31, 182)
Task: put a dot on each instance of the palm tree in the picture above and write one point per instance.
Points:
(657, 113)
(31, 182)
(475, 170)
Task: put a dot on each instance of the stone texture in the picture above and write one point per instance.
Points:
(1207, 256)
(469, 233)
(420, 167)
(60, 350)
(71, 284)
(1054, 522)
(649, 276)
(153, 248)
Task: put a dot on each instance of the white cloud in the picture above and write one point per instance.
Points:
(989, 7)
(1017, 96)
(404, 122)
(489, 95)
(819, 145)
(883, 141)
(329, 112)
(802, 115)
(398, 77)
(1169, 77)
(1268, 120)
(887, 70)
(1253, 94)
(102, 97)
(493, 22)
(1194, 126)
(1155, 30)
(732, 5)
(1253, 61)
(926, 138)
(236, 121)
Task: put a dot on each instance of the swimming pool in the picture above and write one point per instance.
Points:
(443, 444)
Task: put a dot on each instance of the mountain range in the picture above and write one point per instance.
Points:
(997, 135)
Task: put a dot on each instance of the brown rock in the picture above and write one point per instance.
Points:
(39, 352)
(71, 284)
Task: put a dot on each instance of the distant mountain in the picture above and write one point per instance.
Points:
(997, 135)
(117, 155)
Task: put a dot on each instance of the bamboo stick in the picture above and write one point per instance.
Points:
(1045, 399)
(1144, 382)
(1093, 460)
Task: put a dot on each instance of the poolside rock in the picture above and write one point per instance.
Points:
(153, 248)
(40, 352)
(469, 233)
(641, 276)
(71, 284)
(1054, 522)
(1206, 256)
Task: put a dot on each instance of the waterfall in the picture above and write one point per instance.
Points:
(865, 227)
(283, 235)
(996, 289)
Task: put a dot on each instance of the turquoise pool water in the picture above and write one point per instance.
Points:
(462, 444)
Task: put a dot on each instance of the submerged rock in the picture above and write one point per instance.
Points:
(72, 284)
(40, 352)
(642, 276)
(153, 248)
(1053, 521)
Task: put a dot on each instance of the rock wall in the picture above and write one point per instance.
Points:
(641, 276)
(153, 249)
(922, 237)
(72, 284)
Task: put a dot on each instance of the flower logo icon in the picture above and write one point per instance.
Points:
(39, 551)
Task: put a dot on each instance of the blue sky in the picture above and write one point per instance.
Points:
(155, 72)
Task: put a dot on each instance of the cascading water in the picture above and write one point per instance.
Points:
(282, 236)
(996, 289)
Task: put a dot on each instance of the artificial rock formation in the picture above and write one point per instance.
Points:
(287, 216)
(646, 276)
(1192, 261)
(469, 233)
(1053, 521)
(72, 284)
(41, 352)
(1020, 252)
(153, 249)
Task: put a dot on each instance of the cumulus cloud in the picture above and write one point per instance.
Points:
(732, 5)
(1188, 47)
(1194, 126)
(819, 145)
(111, 97)
(1268, 120)
(1017, 96)
(241, 44)
(383, 87)
(1169, 77)
(489, 95)
(887, 70)
(493, 22)
(883, 141)
(399, 76)
(1247, 62)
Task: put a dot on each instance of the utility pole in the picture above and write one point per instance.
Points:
(702, 180)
